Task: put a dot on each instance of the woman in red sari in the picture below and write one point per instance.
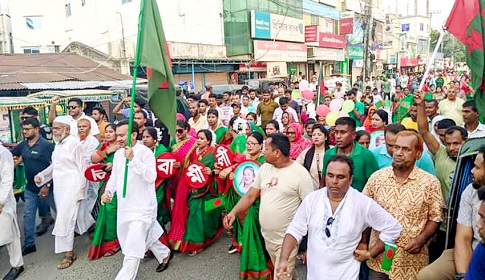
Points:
(193, 228)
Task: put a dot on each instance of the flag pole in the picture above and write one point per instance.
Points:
(431, 59)
(141, 20)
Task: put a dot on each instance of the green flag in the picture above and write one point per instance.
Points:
(465, 22)
(154, 54)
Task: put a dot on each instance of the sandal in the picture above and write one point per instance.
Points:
(194, 253)
(67, 261)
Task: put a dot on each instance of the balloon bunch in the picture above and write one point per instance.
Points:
(337, 109)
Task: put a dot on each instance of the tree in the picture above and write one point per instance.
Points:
(449, 47)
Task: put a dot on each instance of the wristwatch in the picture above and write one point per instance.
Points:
(459, 276)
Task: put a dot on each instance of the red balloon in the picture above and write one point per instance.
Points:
(322, 110)
(308, 94)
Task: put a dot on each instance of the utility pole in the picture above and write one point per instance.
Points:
(367, 38)
(125, 67)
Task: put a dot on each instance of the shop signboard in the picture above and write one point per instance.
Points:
(274, 51)
(311, 33)
(269, 26)
(333, 41)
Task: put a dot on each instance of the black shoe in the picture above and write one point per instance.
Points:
(44, 226)
(28, 249)
(163, 266)
(232, 249)
(14, 273)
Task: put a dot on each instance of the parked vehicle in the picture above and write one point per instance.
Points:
(263, 84)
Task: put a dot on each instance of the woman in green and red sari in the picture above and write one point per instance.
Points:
(255, 262)
(149, 139)
(105, 240)
(201, 227)
(213, 122)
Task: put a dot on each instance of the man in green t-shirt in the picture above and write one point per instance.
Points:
(364, 162)
(444, 156)
(440, 81)
(386, 89)
(359, 108)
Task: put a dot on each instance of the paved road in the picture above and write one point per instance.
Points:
(213, 263)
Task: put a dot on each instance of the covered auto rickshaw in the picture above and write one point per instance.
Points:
(462, 177)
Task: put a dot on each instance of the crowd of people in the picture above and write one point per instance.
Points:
(331, 193)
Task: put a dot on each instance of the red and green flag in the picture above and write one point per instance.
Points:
(466, 24)
(321, 86)
(155, 55)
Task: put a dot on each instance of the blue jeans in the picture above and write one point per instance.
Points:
(32, 202)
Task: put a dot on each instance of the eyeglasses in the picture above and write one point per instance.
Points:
(26, 117)
(329, 223)
(251, 144)
(71, 107)
(179, 131)
(290, 133)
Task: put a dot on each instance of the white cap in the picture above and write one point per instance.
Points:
(63, 119)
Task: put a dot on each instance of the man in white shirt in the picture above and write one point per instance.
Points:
(9, 228)
(284, 107)
(137, 227)
(471, 114)
(75, 112)
(197, 121)
(334, 218)
(69, 161)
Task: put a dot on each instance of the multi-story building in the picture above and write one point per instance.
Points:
(407, 41)
(6, 39)
(193, 29)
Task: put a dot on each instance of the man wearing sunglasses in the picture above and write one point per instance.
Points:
(334, 218)
(75, 112)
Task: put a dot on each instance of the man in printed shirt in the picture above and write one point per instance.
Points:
(414, 198)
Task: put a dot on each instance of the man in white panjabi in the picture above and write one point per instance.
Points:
(69, 162)
(9, 229)
(137, 226)
(334, 218)
(90, 145)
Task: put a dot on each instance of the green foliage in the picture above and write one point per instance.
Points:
(450, 46)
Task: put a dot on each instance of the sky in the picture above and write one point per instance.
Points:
(406, 7)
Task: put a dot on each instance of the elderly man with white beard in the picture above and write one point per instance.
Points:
(69, 162)
(9, 229)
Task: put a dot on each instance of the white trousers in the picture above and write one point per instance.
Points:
(15, 252)
(131, 264)
(64, 243)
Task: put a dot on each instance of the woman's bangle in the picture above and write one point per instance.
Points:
(368, 254)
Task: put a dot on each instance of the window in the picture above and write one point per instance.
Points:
(125, 1)
(33, 22)
(314, 20)
(68, 9)
(83, 3)
(31, 50)
(421, 27)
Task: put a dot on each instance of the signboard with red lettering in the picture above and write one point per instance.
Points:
(195, 176)
(244, 176)
(165, 165)
(224, 157)
(346, 26)
(311, 33)
(97, 173)
(333, 41)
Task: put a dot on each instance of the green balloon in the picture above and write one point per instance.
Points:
(348, 106)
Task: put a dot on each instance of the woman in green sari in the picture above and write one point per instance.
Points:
(255, 262)
(149, 139)
(105, 240)
(202, 227)
(213, 121)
